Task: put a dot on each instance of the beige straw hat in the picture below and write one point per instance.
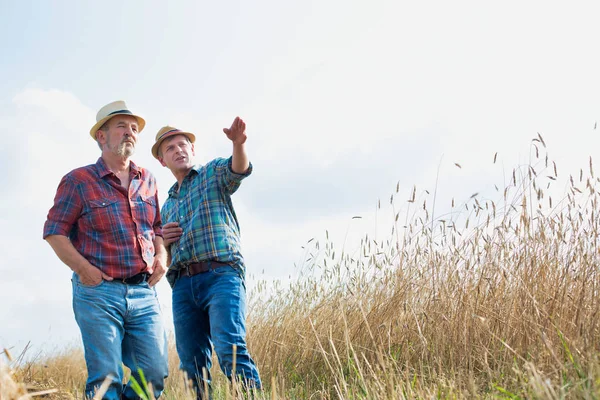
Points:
(164, 133)
(110, 110)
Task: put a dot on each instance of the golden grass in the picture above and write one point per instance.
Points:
(495, 299)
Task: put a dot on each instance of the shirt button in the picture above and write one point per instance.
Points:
(181, 249)
(103, 204)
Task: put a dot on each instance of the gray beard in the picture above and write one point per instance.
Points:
(123, 151)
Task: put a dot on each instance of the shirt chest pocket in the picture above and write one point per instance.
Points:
(102, 213)
(145, 207)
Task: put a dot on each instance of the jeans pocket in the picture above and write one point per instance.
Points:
(225, 270)
(83, 285)
(228, 270)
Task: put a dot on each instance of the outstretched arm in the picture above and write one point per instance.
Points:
(237, 135)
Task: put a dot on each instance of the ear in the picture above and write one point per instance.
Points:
(101, 136)
(160, 159)
(193, 150)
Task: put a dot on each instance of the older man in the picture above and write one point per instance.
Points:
(105, 225)
(207, 267)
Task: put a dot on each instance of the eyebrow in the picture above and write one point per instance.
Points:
(123, 122)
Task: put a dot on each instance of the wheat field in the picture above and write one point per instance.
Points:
(497, 298)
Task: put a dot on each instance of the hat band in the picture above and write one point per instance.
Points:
(172, 130)
(120, 112)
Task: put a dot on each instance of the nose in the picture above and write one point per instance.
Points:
(130, 132)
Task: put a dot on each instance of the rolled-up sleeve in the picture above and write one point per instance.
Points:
(66, 209)
(230, 181)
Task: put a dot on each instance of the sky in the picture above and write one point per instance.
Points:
(344, 102)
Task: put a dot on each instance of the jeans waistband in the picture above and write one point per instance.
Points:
(196, 268)
(135, 279)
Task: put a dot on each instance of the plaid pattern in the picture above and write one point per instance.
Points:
(112, 227)
(204, 211)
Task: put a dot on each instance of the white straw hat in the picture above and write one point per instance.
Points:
(110, 110)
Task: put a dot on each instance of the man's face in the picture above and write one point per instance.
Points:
(176, 153)
(121, 136)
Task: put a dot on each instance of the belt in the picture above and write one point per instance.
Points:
(135, 279)
(196, 268)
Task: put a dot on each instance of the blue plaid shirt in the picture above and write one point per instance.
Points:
(204, 211)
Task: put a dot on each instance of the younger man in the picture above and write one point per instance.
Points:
(206, 265)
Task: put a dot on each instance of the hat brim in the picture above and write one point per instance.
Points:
(156, 145)
(95, 128)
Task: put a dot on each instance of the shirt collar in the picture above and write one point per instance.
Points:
(194, 171)
(103, 170)
(197, 168)
(135, 169)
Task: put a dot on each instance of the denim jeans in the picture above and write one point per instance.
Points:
(120, 324)
(210, 308)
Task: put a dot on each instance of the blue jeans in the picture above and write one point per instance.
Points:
(210, 308)
(120, 324)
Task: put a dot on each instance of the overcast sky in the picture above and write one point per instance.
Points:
(343, 100)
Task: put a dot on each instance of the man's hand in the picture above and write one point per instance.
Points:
(159, 268)
(237, 135)
(171, 233)
(92, 276)
(237, 132)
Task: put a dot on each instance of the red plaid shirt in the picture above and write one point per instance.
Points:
(112, 227)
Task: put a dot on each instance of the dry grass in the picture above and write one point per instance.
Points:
(496, 299)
